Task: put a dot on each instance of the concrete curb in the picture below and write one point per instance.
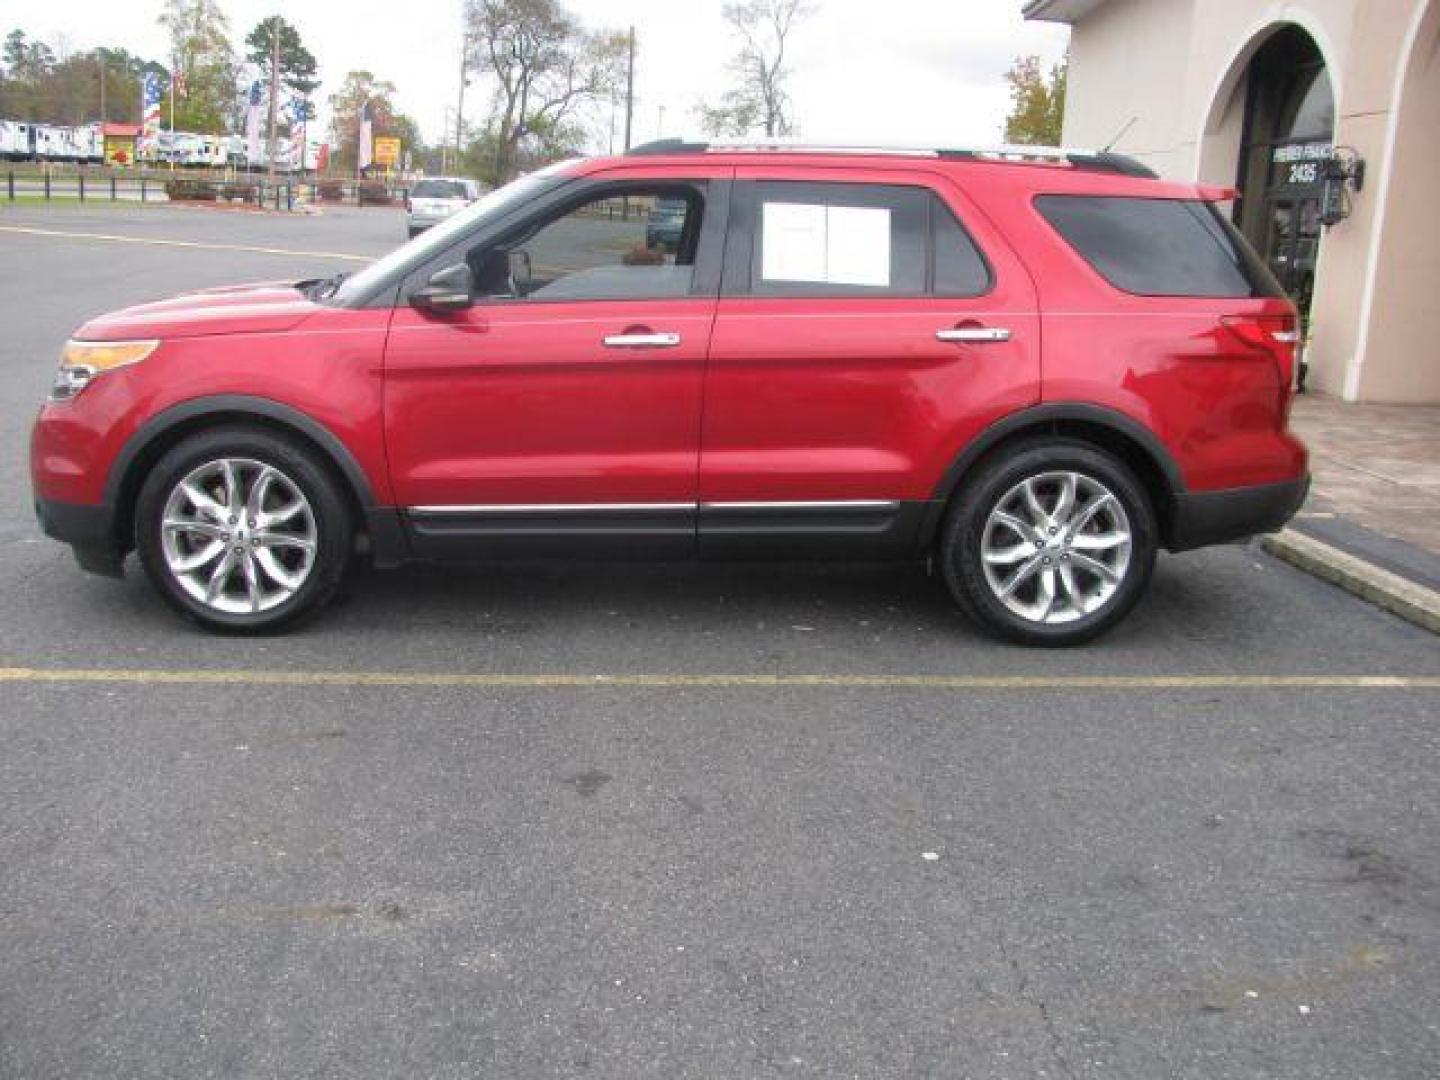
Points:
(1397, 595)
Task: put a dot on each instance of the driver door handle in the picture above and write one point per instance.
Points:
(642, 341)
(975, 335)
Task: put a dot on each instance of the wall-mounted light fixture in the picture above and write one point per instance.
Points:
(1344, 177)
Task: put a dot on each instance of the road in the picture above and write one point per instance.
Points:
(680, 821)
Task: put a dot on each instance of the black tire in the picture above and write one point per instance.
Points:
(962, 539)
(328, 509)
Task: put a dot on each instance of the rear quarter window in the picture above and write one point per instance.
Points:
(1159, 247)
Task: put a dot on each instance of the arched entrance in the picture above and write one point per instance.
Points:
(1287, 135)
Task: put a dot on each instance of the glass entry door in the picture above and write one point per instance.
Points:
(1292, 245)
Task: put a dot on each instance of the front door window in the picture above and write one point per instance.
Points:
(625, 245)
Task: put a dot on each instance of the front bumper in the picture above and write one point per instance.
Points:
(90, 532)
(1201, 518)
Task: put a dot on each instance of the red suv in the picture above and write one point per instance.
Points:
(1036, 368)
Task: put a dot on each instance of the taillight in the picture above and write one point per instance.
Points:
(1276, 336)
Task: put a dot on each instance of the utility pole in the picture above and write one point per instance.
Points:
(630, 88)
(100, 58)
(274, 87)
(460, 103)
(660, 124)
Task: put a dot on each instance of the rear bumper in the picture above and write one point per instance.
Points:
(1200, 518)
(89, 530)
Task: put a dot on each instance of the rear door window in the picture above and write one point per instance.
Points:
(822, 239)
(439, 189)
(1159, 247)
(817, 239)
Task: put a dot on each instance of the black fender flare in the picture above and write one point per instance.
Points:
(387, 540)
(1050, 412)
(266, 408)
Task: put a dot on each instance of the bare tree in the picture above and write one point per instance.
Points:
(759, 100)
(545, 64)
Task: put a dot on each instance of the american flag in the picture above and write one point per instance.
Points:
(152, 90)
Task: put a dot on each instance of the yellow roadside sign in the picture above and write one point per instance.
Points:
(387, 151)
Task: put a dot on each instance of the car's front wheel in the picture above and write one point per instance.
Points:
(243, 530)
(1052, 543)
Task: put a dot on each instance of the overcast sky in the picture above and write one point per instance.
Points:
(883, 70)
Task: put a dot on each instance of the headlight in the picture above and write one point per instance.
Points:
(83, 361)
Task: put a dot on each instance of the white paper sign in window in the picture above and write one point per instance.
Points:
(839, 245)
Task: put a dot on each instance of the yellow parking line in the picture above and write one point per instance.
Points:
(155, 676)
(161, 242)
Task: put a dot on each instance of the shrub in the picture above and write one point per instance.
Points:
(189, 189)
(373, 193)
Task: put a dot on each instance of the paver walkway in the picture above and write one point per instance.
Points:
(1377, 466)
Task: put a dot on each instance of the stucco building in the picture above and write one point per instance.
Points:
(1272, 98)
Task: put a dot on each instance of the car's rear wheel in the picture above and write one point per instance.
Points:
(243, 530)
(1051, 543)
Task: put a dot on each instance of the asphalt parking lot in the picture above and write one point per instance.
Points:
(685, 821)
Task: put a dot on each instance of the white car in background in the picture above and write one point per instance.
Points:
(435, 198)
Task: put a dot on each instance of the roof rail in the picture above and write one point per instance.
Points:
(667, 146)
(1090, 160)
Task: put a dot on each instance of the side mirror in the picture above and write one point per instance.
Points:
(447, 290)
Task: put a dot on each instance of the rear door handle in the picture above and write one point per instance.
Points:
(642, 341)
(974, 335)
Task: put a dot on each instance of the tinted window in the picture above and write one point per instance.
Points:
(369, 284)
(838, 240)
(960, 269)
(608, 248)
(439, 189)
(1159, 247)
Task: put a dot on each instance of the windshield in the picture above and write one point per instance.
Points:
(435, 239)
(438, 189)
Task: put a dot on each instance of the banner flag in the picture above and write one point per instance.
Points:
(252, 124)
(364, 152)
(151, 91)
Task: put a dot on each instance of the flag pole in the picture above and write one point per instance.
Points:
(174, 67)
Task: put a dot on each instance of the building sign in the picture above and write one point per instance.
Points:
(1299, 168)
(119, 150)
(119, 143)
(387, 151)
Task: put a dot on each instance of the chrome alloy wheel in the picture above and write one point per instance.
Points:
(1056, 547)
(238, 536)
